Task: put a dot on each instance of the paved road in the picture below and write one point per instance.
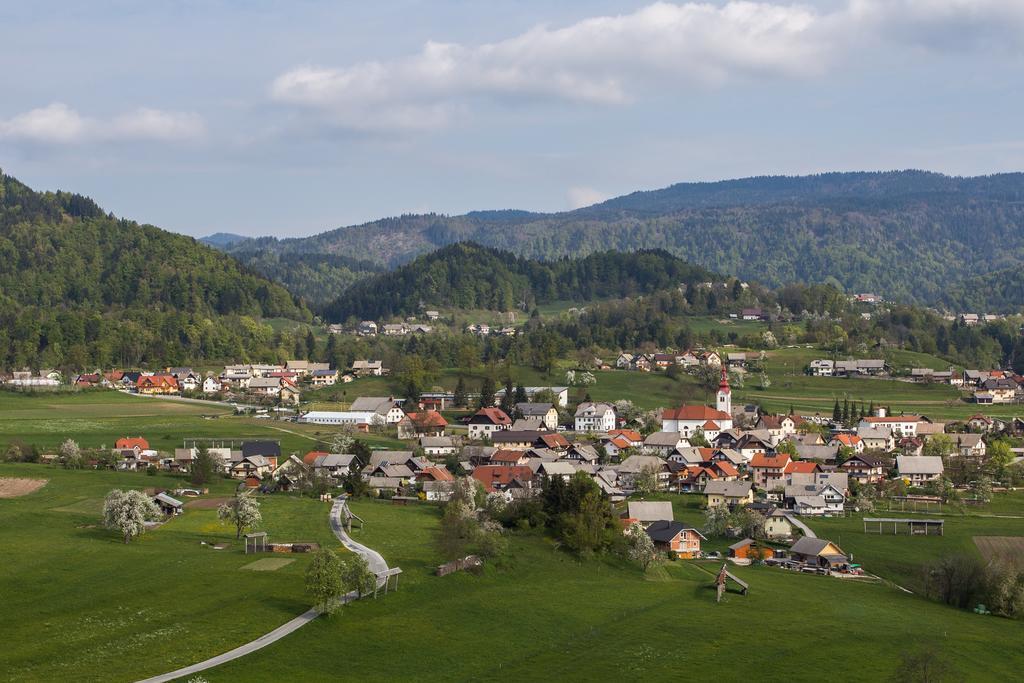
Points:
(373, 558)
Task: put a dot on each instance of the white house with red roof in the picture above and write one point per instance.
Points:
(712, 421)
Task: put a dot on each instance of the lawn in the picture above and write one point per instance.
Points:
(99, 418)
(80, 604)
(543, 615)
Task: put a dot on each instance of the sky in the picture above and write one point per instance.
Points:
(291, 118)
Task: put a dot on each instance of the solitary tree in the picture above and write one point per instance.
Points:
(243, 511)
(640, 547)
(70, 455)
(323, 580)
(128, 512)
(203, 469)
(459, 398)
(487, 392)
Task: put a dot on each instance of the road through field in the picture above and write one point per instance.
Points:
(377, 565)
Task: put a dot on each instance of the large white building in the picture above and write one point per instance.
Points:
(595, 417)
(689, 419)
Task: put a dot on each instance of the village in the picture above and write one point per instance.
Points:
(769, 472)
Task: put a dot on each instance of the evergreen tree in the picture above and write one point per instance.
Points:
(487, 392)
(310, 345)
(837, 412)
(846, 410)
(509, 397)
(460, 393)
(521, 396)
(871, 408)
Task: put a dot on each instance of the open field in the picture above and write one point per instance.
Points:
(1009, 548)
(81, 605)
(99, 418)
(562, 619)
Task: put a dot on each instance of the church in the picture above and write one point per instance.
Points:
(711, 421)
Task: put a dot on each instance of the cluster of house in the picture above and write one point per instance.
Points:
(684, 540)
(646, 362)
(260, 380)
(247, 460)
(368, 328)
(483, 330)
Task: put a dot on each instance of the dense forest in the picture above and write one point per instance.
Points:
(907, 235)
(80, 288)
(468, 276)
(316, 278)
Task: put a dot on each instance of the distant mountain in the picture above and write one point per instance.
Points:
(222, 240)
(903, 234)
(80, 288)
(468, 276)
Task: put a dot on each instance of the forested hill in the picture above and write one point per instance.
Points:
(82, 288)
(907, 235)
(468, 276)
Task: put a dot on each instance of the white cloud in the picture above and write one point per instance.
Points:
(58, 123)
(611, 60)
(584, 196)
(598, 60)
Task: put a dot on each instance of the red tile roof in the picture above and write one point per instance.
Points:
(157, 382)
(501, 475)
(494, 416)
(506, 456)
(848, 439)
(435, 473)
(428, 418)
(802, 467)
(308, 458)
(131, 442)
(726, 468)
(554, 441)
(630, 434)
(770, 462)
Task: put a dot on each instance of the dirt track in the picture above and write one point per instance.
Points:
(14, 487)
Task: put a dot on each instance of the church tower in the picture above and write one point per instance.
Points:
(725, 394)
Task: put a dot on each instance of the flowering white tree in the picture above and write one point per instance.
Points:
(639, 546)
(341, 443)
(70, 454)
(128, 512)
(243, 511)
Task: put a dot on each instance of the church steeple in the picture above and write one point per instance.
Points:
(725, 393)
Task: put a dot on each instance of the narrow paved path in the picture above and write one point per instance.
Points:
(800, 525)
(373, 558)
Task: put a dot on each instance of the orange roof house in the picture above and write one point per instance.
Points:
(308, 458)
(802, 467)
(129, 443)
(501, 477)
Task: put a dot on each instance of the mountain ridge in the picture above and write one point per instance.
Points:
(904, 234)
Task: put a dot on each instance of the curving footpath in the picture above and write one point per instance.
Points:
(377, 565)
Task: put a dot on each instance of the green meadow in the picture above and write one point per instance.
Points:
(80, 604)
(544, 615)
(101, 610)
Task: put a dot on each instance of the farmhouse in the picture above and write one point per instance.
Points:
(545, 412)
(486, 421)
(368, 368)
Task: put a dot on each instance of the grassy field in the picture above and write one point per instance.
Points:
(99, 418)
(80, 604)
(545, 616)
